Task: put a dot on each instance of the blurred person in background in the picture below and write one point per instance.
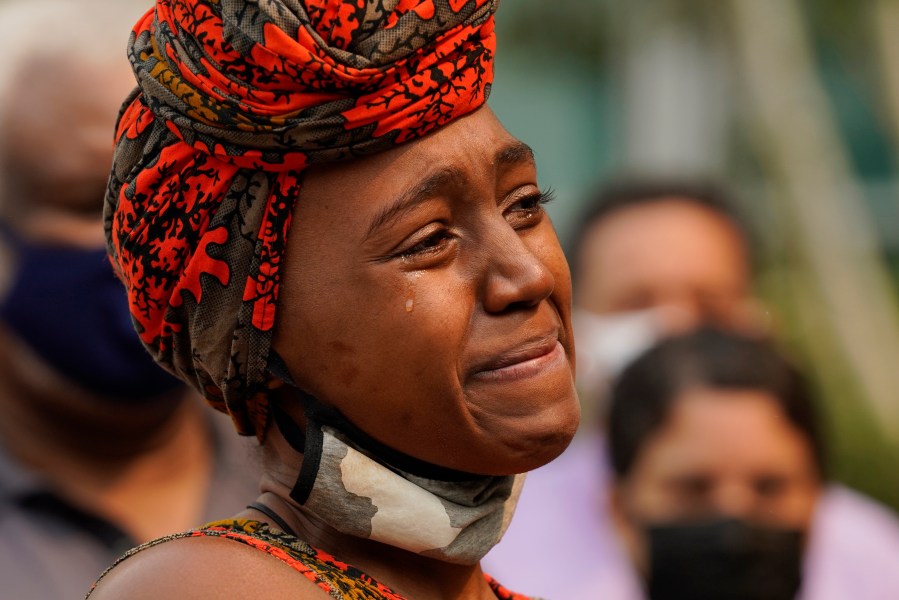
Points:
(718, 464)
(654, 258)
(99, 447)
(651, 258)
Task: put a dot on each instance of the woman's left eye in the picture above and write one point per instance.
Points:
(529, 209)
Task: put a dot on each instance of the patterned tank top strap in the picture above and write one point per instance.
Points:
(340, 580)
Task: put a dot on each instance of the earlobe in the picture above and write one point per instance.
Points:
(274, 383)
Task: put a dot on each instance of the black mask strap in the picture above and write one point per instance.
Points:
(278, 368)
(308, 444)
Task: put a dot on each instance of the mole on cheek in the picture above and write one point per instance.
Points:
(341, 349)
(348, 373)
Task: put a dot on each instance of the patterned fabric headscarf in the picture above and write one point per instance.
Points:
(235, 98)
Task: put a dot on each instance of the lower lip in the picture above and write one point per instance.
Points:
(528, 368)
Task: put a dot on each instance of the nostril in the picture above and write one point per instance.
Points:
(517, 284)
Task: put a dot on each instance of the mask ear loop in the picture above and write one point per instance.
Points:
(310, 443)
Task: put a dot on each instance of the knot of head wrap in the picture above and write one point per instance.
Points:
(235, 98)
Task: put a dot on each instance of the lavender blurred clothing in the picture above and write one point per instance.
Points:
(562, 544)
(854, 549)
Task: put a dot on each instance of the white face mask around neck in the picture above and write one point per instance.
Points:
(364, 489)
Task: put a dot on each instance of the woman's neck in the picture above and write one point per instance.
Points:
(410, 575)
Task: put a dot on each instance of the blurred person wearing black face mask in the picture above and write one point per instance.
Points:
(718, 463)
(99, 447)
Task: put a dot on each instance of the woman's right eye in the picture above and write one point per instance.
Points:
(431, 245)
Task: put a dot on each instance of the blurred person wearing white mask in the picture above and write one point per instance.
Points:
(650, 259)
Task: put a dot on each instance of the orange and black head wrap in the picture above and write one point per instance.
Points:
(235, 98)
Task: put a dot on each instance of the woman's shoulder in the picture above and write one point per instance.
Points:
(202, 564)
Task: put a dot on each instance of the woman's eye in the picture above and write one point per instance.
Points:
(529, 209)
(432, 244)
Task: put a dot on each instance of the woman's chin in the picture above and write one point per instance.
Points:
(527, 443)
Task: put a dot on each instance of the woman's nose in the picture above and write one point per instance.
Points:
(515, 276)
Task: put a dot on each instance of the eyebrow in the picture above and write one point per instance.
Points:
(514, 153)
(408, 200)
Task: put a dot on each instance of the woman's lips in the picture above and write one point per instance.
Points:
(524, 361)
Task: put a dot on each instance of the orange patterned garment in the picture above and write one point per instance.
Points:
(340, 580)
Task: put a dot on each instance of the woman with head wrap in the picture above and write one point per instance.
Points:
(324, 230)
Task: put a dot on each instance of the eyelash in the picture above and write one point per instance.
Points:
(526, 214)
(430, 244)
(536, 202)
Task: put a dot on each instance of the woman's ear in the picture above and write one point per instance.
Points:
(274, 383)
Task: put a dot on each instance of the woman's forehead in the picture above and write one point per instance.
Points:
(473, 147)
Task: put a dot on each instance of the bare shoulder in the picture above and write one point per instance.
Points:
(204, 567)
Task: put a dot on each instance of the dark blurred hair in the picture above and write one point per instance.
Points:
(643, 395)
(630, 193)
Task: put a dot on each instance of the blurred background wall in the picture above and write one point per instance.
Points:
(793, 104)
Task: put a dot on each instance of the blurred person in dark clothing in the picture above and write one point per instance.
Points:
(655, 258)
(99, 447)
